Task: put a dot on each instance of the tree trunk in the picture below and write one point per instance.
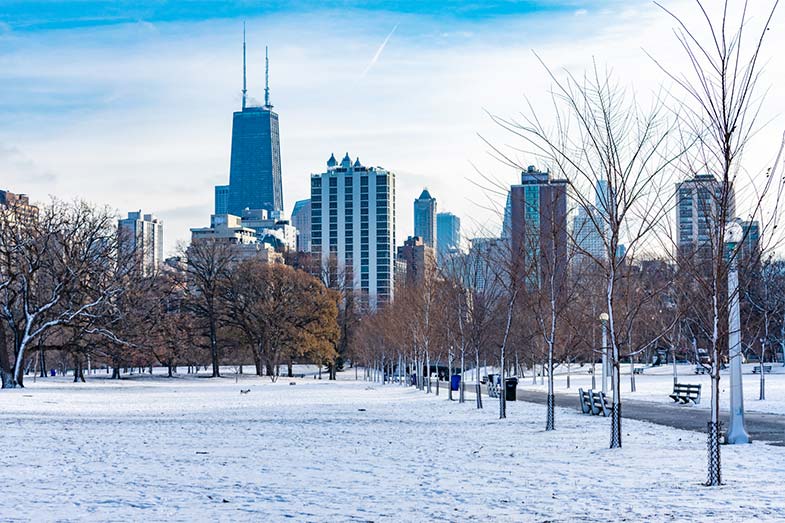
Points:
(6, 372)
(477, 385)
(550, 421)
(214, 347)
(461, 398)
(42, 362)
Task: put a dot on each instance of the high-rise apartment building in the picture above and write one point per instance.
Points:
(353, 226)
(255, 166)
(141, 238)
(17, 208)
(698, 205)
(301, 220)
(448, 235)
(425, 218)
(538, 222)
(419, 258)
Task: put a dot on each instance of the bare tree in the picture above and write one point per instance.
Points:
(45, 265)
(602, 137)
(208, 269)
(719, 109)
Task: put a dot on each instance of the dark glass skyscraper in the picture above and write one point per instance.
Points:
(255, 169)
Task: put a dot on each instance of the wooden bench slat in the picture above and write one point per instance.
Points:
(686, 392)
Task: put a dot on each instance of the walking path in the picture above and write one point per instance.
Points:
(760, 426)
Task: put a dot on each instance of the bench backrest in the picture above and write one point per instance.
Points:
(686, 388)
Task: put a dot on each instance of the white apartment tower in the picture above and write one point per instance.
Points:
(353, 226)
(142, 237)
(697, 211)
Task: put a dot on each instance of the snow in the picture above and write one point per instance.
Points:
(656, 383)
(196, 449)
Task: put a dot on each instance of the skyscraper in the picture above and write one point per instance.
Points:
(419, 258)
(506, 225)
(221, 199)
(255, 167)
(698, 204)
(448, 234)
(425, 218)
(301, 219)
(353, 226)
(539, 225)
(591, 227)
(141, 237)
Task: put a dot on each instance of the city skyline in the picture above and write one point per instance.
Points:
(141, 100)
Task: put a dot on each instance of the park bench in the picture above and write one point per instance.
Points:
(637, 370)
(594, 403)
(766, 369)
(700, 369)
(493, 389)
(686, 392)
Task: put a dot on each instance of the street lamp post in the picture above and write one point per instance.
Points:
(737, 433)
(604, 320)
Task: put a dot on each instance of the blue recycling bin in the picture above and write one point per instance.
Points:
(455, 381)
(53, 373)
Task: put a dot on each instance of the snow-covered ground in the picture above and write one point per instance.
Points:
(196, 449)
(656, 383)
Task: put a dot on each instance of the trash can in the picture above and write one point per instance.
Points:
(455, 382)
(510, 388)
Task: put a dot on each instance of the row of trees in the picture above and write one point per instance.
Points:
(520, 305)
(65, 291)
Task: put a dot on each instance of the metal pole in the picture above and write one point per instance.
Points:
(604, 358)
(737, 433)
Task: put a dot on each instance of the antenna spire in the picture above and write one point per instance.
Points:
(266, 79)
(245, 91)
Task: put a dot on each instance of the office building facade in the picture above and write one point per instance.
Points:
(221, 199)
(538, 226)
(425, 218)
(448, 235)
(420, 260)
(301, 220)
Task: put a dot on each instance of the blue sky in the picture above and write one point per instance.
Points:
(129, 104)
(53, 14)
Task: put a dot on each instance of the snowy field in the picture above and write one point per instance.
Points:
(195, 449)
(656, 383)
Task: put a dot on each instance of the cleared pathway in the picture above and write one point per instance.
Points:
(760, 426)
